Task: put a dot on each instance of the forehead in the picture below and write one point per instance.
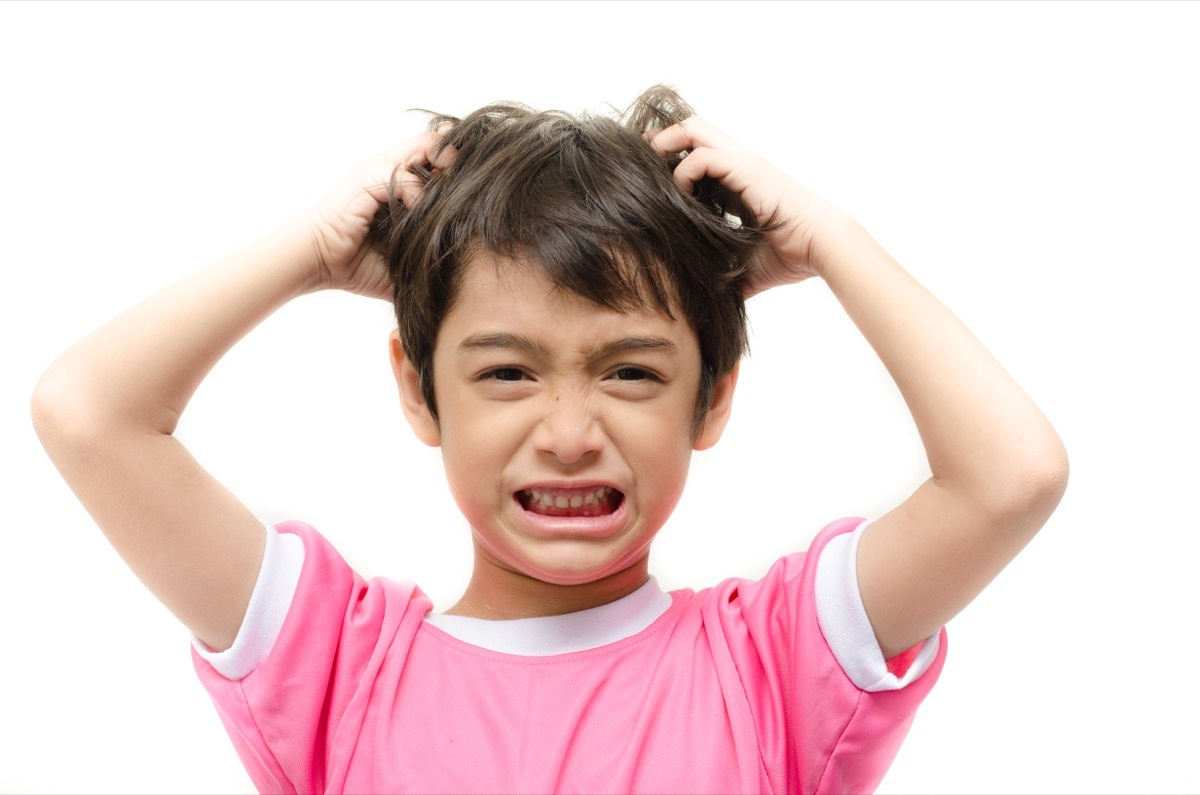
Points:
(496, 295)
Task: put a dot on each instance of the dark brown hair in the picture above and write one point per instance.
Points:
(588, 201)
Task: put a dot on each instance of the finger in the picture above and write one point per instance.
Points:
(443, 158)
(410, 164)
(691, 133)
(709, 162)
(432, 154)
(408, 186)
(672, 140)
(377, 174)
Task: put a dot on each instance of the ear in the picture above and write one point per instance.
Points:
(718, 411)
(412, 399)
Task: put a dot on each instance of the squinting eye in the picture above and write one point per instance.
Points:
(631, 374)
(505, 374)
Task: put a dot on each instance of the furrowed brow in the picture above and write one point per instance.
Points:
(503, 340)
(518, 342)
(656, 344)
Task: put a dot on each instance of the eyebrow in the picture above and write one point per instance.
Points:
(520, 342)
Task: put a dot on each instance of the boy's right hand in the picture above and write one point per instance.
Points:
(339, 223)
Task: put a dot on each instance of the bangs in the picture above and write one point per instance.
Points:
(587, 201)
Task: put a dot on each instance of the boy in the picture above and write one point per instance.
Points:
(570, 302)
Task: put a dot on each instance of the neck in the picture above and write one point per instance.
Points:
(497, 593)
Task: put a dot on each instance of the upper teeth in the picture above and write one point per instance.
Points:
(547, 500)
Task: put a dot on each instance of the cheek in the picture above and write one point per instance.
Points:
(476, 451)
(659, 452)
(664, 435)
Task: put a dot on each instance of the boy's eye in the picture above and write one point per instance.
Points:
(505, 374)
(632, 374)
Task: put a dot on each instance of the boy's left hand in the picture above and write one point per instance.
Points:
(803, 220)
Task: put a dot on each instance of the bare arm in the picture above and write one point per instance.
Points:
(106, 409)
(998, 469)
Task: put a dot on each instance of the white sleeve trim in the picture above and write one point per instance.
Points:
(283, 558)
(844, 623)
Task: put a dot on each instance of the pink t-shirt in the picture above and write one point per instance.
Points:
(730, 689)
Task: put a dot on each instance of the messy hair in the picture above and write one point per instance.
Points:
(589, 202)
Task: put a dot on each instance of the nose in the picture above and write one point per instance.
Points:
(569, 429)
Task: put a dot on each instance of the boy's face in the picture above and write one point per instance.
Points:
(566, 429)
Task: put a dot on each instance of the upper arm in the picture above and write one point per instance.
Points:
(924, 561)
(191, 541)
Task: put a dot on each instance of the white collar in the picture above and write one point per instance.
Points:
(543, 636)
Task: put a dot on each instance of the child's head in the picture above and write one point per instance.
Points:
(589, 203)
(581, 318)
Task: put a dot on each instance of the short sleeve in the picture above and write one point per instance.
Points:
(295, 713)
(283, 560)
(833, 735)
(847, 629)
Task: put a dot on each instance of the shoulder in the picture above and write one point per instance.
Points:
(789, 588)
(331, 597)
(808, 606)
(307, 596)
(284, 704)
(797, 645)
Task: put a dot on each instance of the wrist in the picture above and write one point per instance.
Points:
(298, 253)
(841, 241)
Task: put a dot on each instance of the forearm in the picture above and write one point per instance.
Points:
(139, 371)
(983, 436)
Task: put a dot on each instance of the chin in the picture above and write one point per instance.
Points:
(578, 572)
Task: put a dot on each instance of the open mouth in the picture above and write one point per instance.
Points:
(587, 501)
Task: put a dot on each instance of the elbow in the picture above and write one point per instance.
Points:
(63, 417)
(50, 410)
(76, 413)
(1048, 469)
(1017, 487)
(1032, 489)
(1046, 479)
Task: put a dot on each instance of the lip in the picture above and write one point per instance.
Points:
(537, 524)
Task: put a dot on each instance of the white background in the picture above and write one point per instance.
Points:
(1035, 164)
